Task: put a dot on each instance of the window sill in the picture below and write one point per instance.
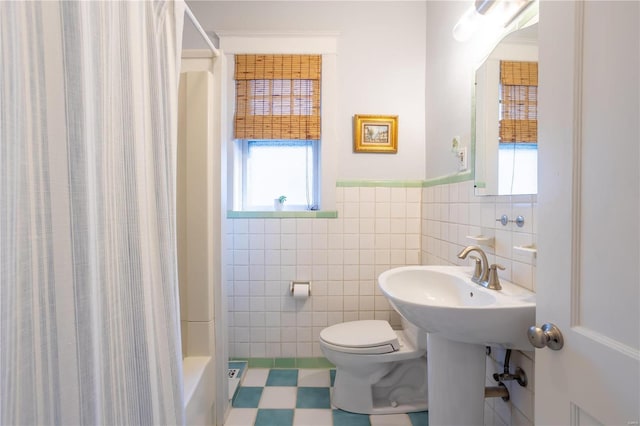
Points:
(317, 214)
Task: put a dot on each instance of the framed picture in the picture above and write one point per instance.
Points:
(375, 133)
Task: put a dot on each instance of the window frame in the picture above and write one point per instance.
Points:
(323, 43)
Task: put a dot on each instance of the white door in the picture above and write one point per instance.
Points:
(588, 278)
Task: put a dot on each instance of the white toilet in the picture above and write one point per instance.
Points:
(378, 370)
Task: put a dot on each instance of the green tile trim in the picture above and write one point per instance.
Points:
(261, 362)
(307, 362)
(314, 363)
(323, 214)
(285, 363)
(380, 183)
(443, 180)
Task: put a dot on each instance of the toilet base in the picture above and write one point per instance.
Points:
(403, 389)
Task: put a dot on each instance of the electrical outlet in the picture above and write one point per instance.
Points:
(463, 163)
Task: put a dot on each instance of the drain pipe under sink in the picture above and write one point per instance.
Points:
(497, 391)
(501, 390)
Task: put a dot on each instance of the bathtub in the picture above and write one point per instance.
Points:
(199, 391)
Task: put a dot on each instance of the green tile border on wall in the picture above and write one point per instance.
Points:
(313, 363)
(332, 214)
(310, 362)
(285, 363)
(440, 180)
(324, 214)
(443, 180)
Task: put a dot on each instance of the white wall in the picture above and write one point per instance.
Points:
(449, 82)
(380, 68)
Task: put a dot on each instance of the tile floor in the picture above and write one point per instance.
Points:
(300, 397)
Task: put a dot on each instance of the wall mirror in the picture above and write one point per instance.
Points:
(505, 119)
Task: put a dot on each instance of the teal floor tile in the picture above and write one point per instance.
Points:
(247, 397)
(282, 377)
(343, 418)
(274, 417)
(332, 374)
(421, 418)
(313, 398)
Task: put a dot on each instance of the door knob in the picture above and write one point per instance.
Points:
(549, 335)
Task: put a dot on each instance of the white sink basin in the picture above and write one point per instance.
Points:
(444, 300)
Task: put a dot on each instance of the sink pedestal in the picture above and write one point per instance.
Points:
(456, 378)
(447, 304)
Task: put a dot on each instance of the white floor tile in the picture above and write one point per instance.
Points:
(278, 397)
(331, 397)
(232, 385)
(241, 417)
(255, 377)
(312, 417)
(390, 420)
(314, 377)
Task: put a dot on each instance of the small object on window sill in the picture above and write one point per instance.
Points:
(278, 203)
(483, 240)
(530, 249)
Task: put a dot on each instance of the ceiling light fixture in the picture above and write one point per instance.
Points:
(487, 13)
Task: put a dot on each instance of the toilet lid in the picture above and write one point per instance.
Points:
(361, 334)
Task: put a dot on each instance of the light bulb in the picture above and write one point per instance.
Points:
(468, 24)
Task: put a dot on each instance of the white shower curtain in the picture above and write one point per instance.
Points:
(89, 316)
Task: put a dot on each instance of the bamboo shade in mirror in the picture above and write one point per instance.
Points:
(277, 97)
(519, 101)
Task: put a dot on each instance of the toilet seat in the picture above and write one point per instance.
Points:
(361, 337)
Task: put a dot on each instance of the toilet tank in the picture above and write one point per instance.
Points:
(412, 333)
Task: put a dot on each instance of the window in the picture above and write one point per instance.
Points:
(280, 167)
(522, 179)
(277, 130)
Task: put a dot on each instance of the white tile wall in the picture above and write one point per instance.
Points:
(376, 229)
(449, 214)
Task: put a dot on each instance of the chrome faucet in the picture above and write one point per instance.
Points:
(485, 275)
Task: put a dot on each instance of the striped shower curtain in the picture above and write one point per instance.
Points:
(89, 315)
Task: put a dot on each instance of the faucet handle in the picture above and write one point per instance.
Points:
(494, 280)
(477, 270)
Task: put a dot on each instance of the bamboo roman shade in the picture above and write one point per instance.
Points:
(277, 97)
(519, 112)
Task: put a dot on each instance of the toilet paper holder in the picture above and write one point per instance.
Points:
(293, 284)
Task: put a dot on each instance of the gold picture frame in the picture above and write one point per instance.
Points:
(375, 133)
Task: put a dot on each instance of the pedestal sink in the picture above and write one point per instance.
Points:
(461, 318)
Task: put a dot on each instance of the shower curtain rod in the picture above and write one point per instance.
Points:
(204, 35)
